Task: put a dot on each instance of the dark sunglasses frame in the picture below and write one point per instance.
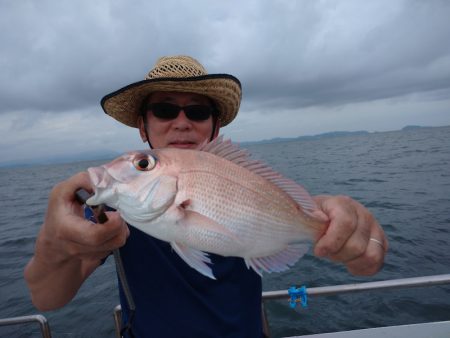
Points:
(170, 111)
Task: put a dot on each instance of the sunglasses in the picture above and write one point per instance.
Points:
(169, 111)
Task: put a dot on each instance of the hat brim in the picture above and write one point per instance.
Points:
(225, 90)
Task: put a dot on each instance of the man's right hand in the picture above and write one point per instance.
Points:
(69, 247)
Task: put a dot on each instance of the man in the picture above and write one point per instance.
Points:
(178, 105)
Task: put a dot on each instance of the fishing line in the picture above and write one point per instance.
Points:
(81, 196)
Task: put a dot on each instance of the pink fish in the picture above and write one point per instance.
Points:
(214, 199)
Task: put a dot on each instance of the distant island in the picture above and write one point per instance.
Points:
(330, 134)
(413, 127)
(309, 137)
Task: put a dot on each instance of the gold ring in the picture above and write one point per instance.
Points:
(377, 241)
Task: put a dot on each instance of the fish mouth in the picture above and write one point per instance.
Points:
(100, 180)
(97, 176)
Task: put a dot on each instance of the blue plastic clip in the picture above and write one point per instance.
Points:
(298, 295)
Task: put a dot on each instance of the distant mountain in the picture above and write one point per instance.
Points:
(309, 137)
(413, 127)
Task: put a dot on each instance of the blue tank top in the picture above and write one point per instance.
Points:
(174, 300)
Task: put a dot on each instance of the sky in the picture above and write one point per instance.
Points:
(306, 67)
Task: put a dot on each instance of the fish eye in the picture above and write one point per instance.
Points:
(144, 162)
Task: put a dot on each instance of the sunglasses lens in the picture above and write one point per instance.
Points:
(197, 112)
(166, 111)
(169, 111)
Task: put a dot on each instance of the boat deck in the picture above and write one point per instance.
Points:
(423, 330)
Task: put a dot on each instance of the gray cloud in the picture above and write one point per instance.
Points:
(60, 57)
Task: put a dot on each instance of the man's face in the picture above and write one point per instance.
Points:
(180, 132)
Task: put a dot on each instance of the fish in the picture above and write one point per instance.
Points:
(213, 199)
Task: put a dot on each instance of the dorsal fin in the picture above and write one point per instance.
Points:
(233, 153)
(225, 149)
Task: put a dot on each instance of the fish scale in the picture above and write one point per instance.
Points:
(273, 200)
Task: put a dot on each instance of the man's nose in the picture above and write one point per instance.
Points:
(182, 122)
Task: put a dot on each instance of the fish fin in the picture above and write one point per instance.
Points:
(219, 236)
(280, 261)
(232, 152)
(196, 259)
(197, 225)
(300, 196)
(227, 150)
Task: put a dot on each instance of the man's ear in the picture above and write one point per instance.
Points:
(141, 126)
(216, 129)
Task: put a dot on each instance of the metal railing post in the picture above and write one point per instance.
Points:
(43, 323)
(118, 320)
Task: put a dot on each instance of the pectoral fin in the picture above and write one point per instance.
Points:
(206, 234)
(280, 261)
(196, 259)
(197, 234)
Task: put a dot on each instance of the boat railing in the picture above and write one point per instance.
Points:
(425, 281)
(358, 287)
(40, 319)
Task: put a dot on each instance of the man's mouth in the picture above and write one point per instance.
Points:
(183, 144)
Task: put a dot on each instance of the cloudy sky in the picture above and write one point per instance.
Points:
(306, 67)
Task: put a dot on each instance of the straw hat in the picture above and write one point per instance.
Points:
(179, 74)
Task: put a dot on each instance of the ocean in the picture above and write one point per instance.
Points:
(403, 177)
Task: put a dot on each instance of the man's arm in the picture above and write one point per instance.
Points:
(69, 248)
(353, 237)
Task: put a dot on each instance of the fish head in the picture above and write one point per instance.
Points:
(136, 184)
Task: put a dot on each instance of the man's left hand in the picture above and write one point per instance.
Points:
(353, 237)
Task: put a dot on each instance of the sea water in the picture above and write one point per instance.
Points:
(403, 177)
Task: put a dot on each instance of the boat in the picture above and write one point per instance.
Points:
(299, 296)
